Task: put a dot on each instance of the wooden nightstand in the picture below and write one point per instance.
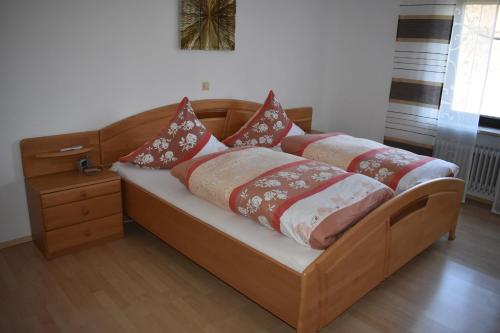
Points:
(69, 210)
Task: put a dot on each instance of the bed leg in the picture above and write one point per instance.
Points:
(451, 235)
(306, 330)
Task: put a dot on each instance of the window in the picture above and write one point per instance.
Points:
(489, 15)
(490, 110)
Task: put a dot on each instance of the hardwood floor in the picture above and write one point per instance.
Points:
(140, 284)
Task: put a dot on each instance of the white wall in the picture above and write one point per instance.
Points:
(359, 38)
(72, 65)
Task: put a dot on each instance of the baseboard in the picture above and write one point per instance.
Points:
(478, 199)
(14, 242)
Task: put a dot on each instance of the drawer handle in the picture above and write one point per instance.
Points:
(85, 211)
(87, 233)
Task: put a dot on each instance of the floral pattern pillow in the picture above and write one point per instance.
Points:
(184, 138)
(267, 127)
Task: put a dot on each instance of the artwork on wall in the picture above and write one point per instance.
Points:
(207, 24)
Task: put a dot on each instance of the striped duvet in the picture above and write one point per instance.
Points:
(309, 201)
(397, 168)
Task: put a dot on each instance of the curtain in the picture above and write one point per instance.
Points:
(420, 57)
(464, 83)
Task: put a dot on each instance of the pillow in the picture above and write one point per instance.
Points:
(266, 128)
(185, 137)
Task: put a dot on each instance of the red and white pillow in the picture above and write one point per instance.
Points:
(267, 127)
(185, 137)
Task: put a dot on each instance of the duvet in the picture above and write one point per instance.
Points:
(309, 201)
(397, 168)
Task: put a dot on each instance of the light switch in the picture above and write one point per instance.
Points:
(205, 86)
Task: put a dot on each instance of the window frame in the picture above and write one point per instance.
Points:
(489, 122)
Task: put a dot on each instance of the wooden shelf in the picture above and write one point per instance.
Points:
(63, 153)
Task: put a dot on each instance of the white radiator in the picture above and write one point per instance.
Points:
(483, 176)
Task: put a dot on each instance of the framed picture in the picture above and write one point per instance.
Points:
(207, 24)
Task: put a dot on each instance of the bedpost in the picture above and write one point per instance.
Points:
(310, 307)
(451, 235)
(453, 229)
(344, 273)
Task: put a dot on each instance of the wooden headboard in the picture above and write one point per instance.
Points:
(222, 117)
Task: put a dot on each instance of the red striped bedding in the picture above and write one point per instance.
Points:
(309, 201)
(397, 168)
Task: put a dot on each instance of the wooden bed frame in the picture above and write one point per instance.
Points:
(364, 256)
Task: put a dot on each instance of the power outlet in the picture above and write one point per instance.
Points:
(205, 86)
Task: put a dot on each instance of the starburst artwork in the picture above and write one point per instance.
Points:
(207, 24)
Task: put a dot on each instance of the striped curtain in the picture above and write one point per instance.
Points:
(420, 60)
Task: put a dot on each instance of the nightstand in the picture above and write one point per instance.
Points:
(70, 210)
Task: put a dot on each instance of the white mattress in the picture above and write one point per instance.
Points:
(271, 243)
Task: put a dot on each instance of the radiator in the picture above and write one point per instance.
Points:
(483, 180)
(483, 176)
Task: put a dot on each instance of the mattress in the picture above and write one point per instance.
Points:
(162, 184)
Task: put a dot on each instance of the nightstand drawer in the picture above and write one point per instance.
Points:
(81, 193)
(83, 233)
(79, 211)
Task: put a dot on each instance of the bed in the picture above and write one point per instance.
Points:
(304, 287)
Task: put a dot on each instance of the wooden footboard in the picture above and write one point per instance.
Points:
(425, 214)
(376, 247)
